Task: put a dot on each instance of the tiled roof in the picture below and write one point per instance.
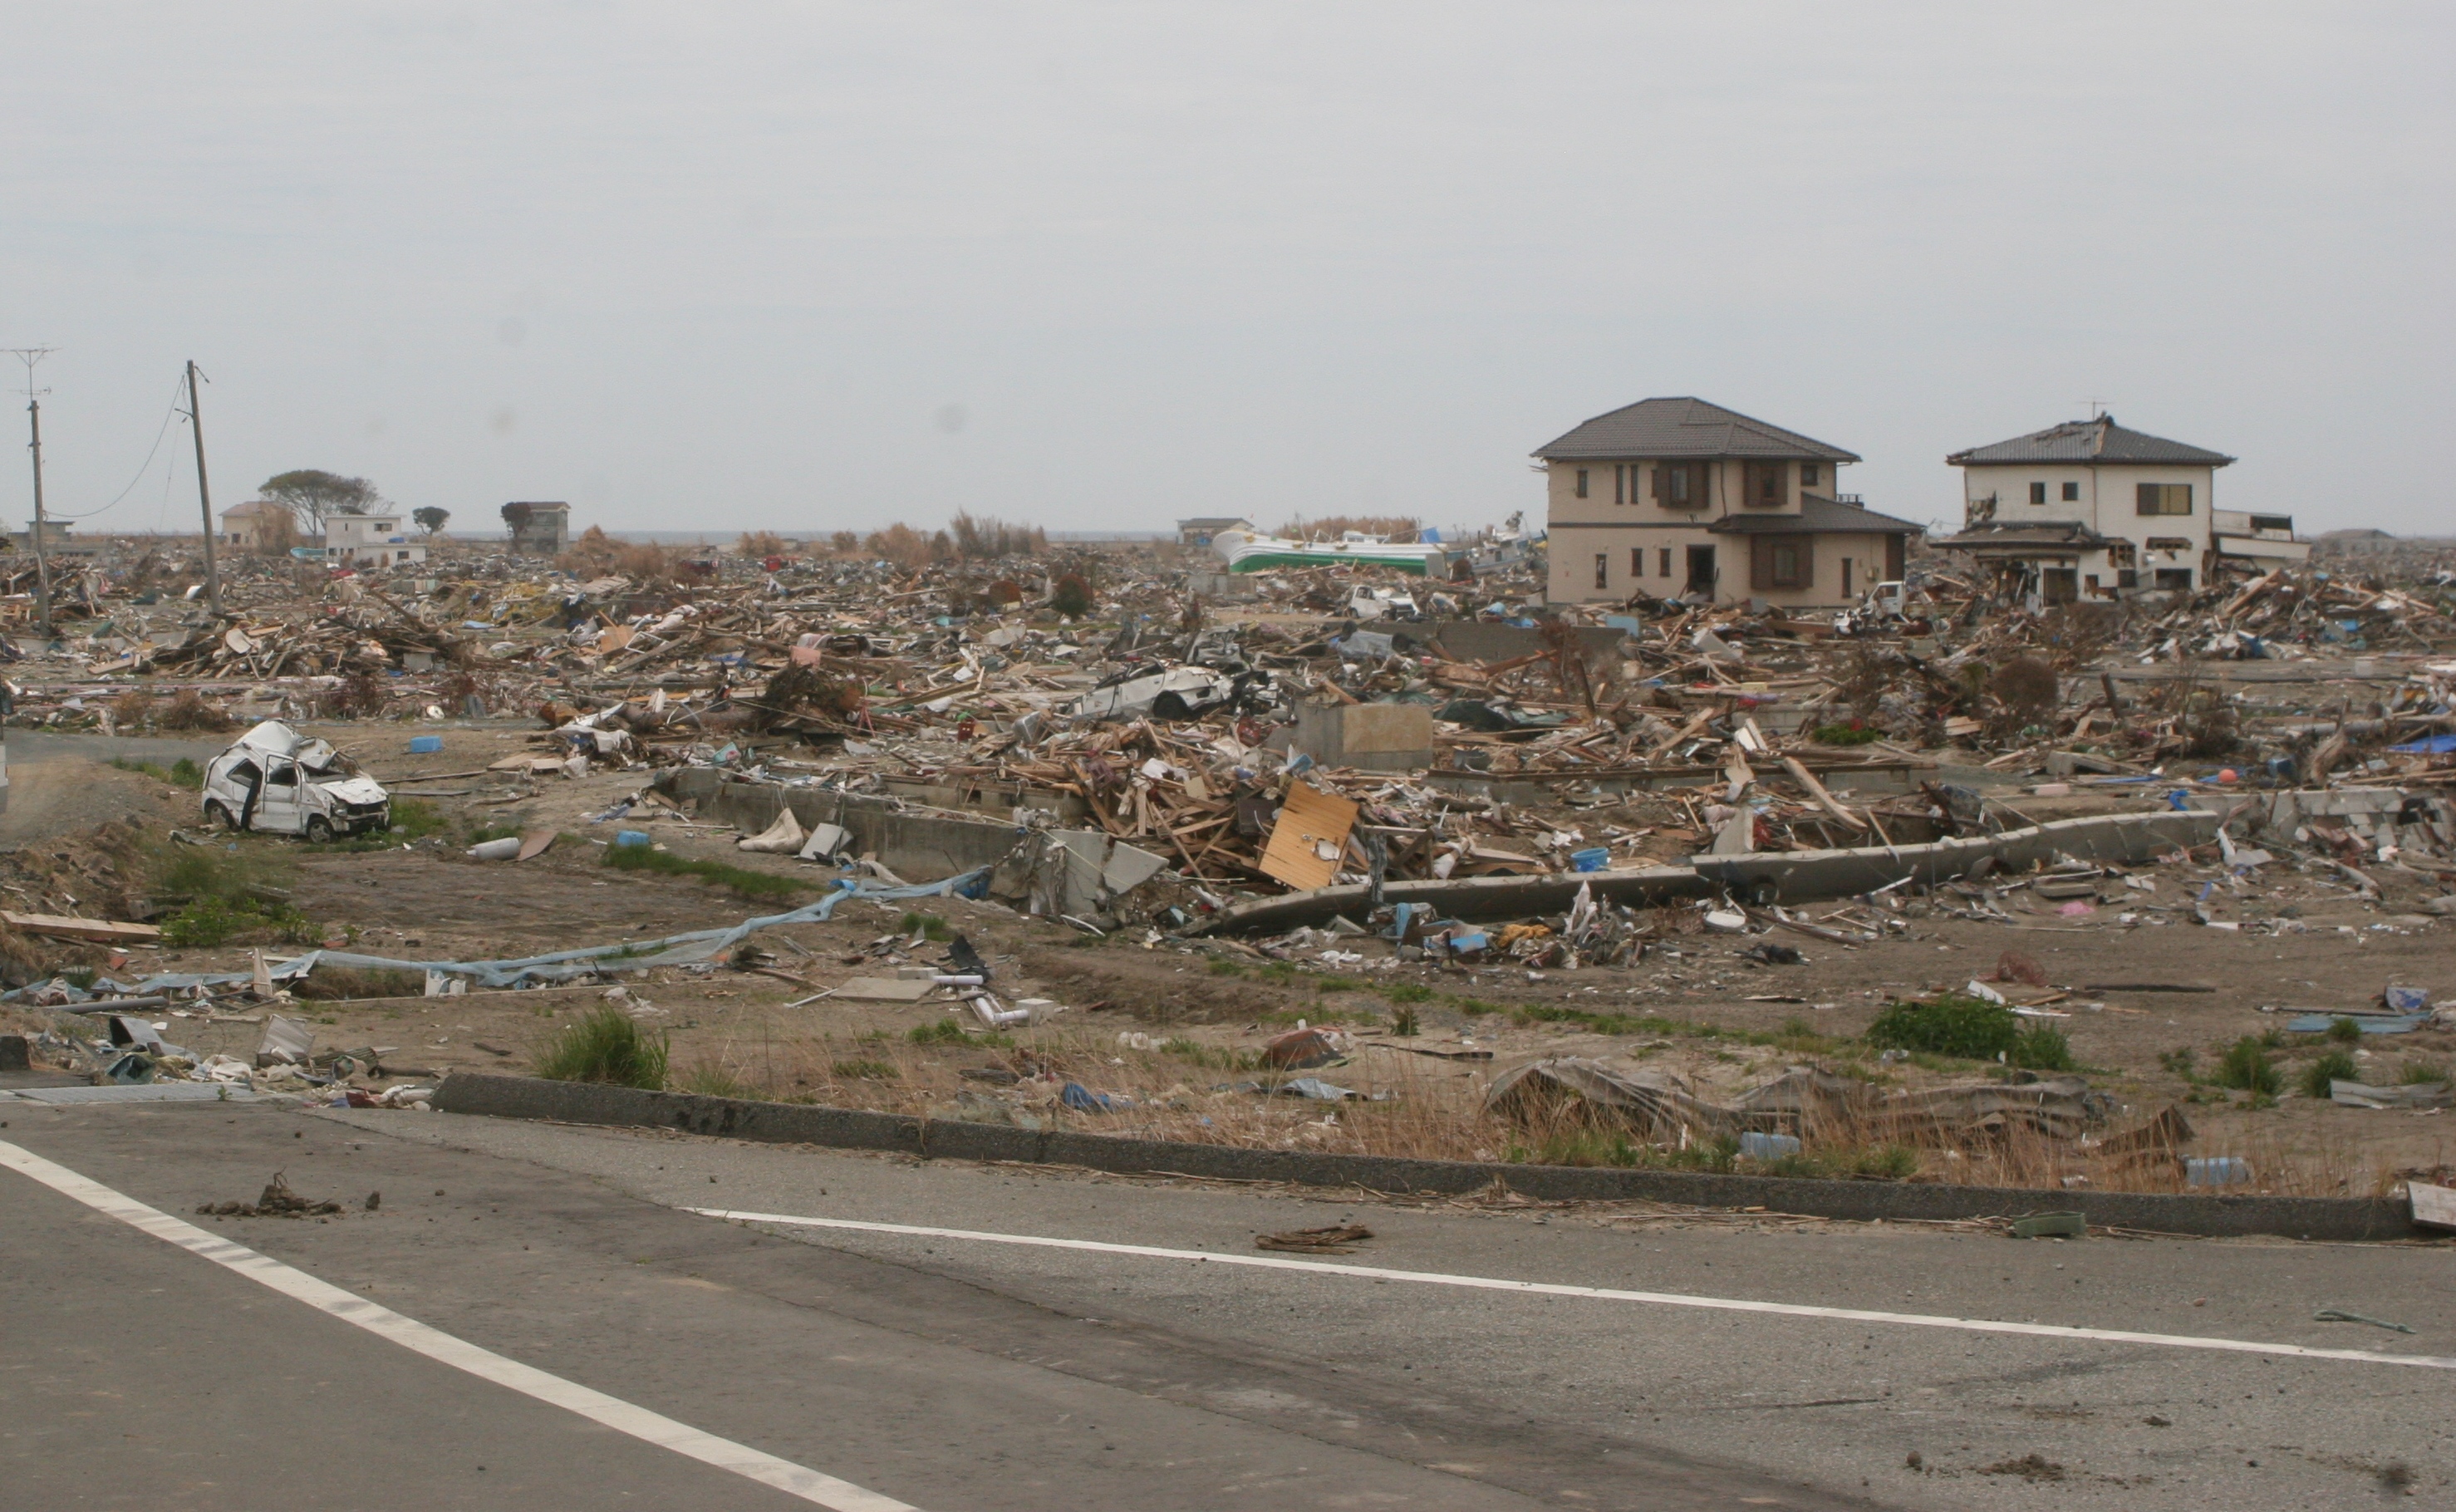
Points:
(1685, 429)
(2097, 441)
(1814, 514)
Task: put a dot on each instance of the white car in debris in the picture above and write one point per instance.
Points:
(1154, 691)
(276, 780)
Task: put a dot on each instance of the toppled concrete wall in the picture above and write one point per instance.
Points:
(1464, 898)
(917, 847)
(1803, 876)
(1369, 737)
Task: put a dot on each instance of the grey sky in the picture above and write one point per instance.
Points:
(824, 266)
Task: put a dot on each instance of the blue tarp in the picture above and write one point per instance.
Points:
(2428, 745)
(674, 950)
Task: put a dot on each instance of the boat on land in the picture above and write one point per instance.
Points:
(1246, 551)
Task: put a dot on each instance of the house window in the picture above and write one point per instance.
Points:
(1617, 474)
(2124, 554)
(2038, 494)
(2072, 493)
(1782, 562)
(2164, 499)
(1582, 483)
(1602, 569)
(1763, 483)
(2175, 579)
(1680, 486)
(1637, 562)
(1846, 577)
(1809, 475)
(1663, 564)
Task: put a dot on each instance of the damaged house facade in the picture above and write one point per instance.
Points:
(1673, 498)
(2090, 510)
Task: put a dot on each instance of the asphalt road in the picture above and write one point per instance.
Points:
(951, 1372)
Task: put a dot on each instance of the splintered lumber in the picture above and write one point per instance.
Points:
(100, 931)
(1817, 791)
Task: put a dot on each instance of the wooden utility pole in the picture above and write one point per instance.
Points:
(204, 496)
(29, 356)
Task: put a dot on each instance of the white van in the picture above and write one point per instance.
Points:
(278, 782)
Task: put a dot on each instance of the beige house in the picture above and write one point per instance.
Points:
(1675, 496)
(2090, 510)
(258, 525)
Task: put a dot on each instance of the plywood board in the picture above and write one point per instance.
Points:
(1309, 839)
(883, 990)
(101, 931)
(2435, 1206)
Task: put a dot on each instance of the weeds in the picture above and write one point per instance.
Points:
(2247, 1068)
(756, 886)
(341, 982)
(2335, 1066)
(1408, 993)
(937, 1031)
(1404, 1024)
(1213, 1057)
(1222, 966)
(606, 1045)
(711, 1079)
(863, 1071)
(2042, 1047)
(180, 773)
(2344, 1032)
(928, 926)
(2417, 1072)
(2181, 1063)
(1949, 1024)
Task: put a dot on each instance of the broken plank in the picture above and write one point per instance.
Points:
(100, 932)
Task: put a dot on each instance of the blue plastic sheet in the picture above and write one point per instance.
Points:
(674, 950)
(2428, 745)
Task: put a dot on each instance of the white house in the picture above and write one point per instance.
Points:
(2089, 509)
(369, 540)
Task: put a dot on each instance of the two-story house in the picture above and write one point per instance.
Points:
(369, 540)
(1673, 496)
(2089, 509)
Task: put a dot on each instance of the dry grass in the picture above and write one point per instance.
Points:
(599, 555)
(1190, 1091)
(188, 711)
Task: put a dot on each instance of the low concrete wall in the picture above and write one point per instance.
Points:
(1463, 898)
(2336, 1218)
(1803, 876)
(920, 847)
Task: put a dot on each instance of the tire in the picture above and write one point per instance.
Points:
(218, 815)
(319, 829)
(1170, 706)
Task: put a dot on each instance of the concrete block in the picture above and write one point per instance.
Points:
(1370, 737)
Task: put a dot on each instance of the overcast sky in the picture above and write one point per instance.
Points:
(818, 266)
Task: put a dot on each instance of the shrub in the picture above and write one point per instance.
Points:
(1853, 733)
(2335, 1066)
(1408, 993)
(2417, 1072)
(1071, 596)
(928, 926)
(2247, 1068)
(2344, 1032)
(1947, 1023)
(188, 711)
(1405, 1024)
(937, 1031)
(606, 1045)
(2042, 1047)
(349, 981)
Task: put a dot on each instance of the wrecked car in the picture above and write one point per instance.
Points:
(1155, 691)
(274, 780)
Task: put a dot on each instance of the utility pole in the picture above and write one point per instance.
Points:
(204, 496)
(29, 356)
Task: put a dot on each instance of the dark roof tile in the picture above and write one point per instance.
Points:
(1686, 428)
(2091, 441)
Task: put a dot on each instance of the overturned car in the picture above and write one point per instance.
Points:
(274, 780)
(1154, 691)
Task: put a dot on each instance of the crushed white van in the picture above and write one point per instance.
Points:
(278, 782)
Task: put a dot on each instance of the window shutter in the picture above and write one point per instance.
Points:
(1658, 484)
(1760, 564)
(2186, 489)
(2146, 497)
(1807, 561)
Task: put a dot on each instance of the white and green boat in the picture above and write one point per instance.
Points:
(1247, 552)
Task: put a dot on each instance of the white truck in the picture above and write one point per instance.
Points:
(1380, 604)
(274, 780)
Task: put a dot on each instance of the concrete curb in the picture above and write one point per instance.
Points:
(795, 1123)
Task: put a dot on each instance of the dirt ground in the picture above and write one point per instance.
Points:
(1174, 1025)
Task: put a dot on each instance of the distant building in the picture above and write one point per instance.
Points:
(258, 525)
(2264, 540)
(1199, 532)
(1673, 496)
(538, 529)
(2089, 509)
(59, 540)
(369, 540)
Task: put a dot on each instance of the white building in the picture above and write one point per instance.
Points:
(2090, 510)
(369, 540)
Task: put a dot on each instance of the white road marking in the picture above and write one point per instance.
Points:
(1491, 1283)
(824, 1490)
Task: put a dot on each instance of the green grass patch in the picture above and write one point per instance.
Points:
(1408, 993)
(2335, 1066)
(343, 982)
(2344, 1032)
(1863, 1163)
(863, 1071)
(710, 1079)
(1847, 734)
(1947, 1023)
(2042, 1047)
(606, 1046)
(1339, 983)
(180, 773)
(928, 926)
(2247, 1068)
(1222, 966)
(760, 886)
(2417, 1072)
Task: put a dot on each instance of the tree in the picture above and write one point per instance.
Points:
(430, 518)
(310, 494)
